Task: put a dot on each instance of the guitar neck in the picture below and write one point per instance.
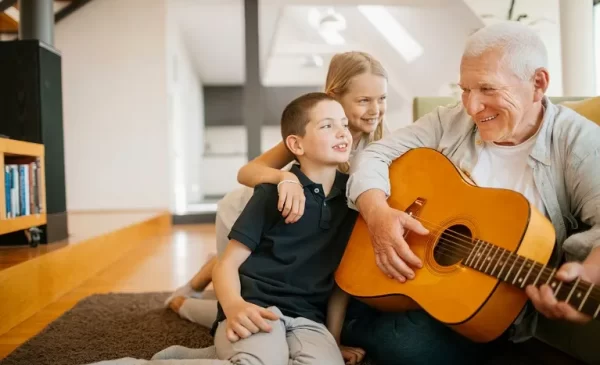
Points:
(521, 272)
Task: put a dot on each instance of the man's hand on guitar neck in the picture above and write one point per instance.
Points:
(543, 298)
(386, 228)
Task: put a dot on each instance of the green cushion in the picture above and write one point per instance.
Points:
(589, 108)
(424, 105)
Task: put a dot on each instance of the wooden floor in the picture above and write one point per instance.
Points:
(160, 264)
(33, 278)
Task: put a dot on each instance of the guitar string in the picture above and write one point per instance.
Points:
(595, 293)
(466, 249)
(511, 260)
(461, 238)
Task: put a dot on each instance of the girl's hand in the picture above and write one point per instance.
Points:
(352, 355)
(291, 197)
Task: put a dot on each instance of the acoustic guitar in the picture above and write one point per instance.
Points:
(484, 246)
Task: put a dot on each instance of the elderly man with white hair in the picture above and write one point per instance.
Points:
(506, 134)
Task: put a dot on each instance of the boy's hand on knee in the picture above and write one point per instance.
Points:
(245, 319)
(352, 355)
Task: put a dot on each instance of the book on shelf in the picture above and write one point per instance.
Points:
(22, 189)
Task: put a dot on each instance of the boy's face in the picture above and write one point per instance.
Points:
(327, 139)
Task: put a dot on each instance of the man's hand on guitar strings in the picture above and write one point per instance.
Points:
(546, 303)
(392, 254)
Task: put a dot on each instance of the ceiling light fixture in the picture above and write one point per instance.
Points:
(332, 22)
(328, 26)
(392, 31)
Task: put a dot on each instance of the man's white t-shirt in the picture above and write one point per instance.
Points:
(506, 167)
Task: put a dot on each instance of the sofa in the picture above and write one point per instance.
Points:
(581, 342)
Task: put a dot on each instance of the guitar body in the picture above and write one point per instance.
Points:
(457, 213)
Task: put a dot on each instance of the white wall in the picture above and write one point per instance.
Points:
(186, 118)
(115, 105)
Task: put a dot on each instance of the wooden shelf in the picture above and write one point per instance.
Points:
(21, 223)
(11, 147)
(19, 152)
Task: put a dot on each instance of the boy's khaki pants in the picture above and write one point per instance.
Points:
(292, 341)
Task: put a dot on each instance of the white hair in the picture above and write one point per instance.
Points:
(523, 49)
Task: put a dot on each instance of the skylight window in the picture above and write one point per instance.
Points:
(392, 31)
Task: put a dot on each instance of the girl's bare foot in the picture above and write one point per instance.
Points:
(198, 283)
(183, 291)
(204, 277)
(176, 303)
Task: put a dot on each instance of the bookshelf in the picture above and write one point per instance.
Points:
(22, 163)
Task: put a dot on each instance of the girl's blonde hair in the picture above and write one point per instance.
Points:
(342, 69)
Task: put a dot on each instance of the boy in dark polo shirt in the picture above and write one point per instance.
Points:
(274, 280)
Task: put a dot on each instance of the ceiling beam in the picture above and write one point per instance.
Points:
(67, 10)
(60, 15)
(417, 3)
(7, 24)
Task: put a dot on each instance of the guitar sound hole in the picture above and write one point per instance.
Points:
(453, 245)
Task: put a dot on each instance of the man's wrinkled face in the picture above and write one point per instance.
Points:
(499, 102)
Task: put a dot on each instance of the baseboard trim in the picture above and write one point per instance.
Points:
(193, 218)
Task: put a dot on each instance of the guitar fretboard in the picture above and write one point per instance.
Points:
(521, 272)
